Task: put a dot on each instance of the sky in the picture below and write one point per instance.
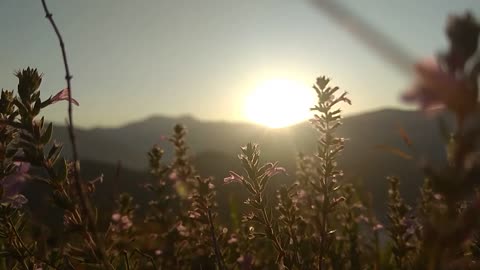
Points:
(134, 59)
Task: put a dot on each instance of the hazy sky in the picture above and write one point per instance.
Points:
(132, 59)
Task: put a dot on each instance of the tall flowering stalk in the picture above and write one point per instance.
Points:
(255, 180)
(202, 212)
(325, 183)
(401, 228)
(162, 208)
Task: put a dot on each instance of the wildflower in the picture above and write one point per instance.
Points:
(158, 252)
(233, 178)
(273, 169)
(233, 239)
(173, 176)
(62, 95)
(116, 217)
(194, 215)
(125, 223)
(436, 88)
(377, 227)
(182, 230)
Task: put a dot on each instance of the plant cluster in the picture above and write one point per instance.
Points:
(319, 221)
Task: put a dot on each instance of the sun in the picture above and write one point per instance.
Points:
(280, 103)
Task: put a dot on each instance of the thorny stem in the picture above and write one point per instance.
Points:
(85, 203)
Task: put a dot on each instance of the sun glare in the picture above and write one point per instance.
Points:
(280, 103)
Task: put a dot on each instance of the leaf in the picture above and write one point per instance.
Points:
(47, 135)
(395, 151)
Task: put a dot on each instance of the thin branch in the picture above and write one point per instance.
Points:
(84, 201)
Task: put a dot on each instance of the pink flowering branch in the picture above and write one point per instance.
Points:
(63, 95)
(233, 178)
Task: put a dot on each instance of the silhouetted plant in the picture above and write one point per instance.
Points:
(255, 180)
(325, 181)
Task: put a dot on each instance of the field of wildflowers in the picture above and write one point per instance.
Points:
(317, 222)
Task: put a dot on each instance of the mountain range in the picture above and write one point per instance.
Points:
(367, 160)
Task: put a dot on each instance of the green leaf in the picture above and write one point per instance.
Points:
(47, 135)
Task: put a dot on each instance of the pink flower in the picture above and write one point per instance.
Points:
(62, 95)
(173, 176)
(378, 227)
(116, 217)
(126, 223)
(233, 239)
(273, 169)
(233, 178)
(436, 88)
(194, 214)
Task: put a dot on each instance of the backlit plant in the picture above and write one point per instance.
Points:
(318, 220)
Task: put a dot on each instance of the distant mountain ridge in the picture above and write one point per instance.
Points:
(129, 143)
(216, 144)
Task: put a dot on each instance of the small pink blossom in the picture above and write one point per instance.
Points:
(378, 227)
(62, 95)
(194, 215)
(233, 239)
(233, 178)
(435, 88)
(125, 223)
(273, 169)
(158, 252)
(116, 217)
(173, 176)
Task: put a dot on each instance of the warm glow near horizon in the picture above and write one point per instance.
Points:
(280, 103)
